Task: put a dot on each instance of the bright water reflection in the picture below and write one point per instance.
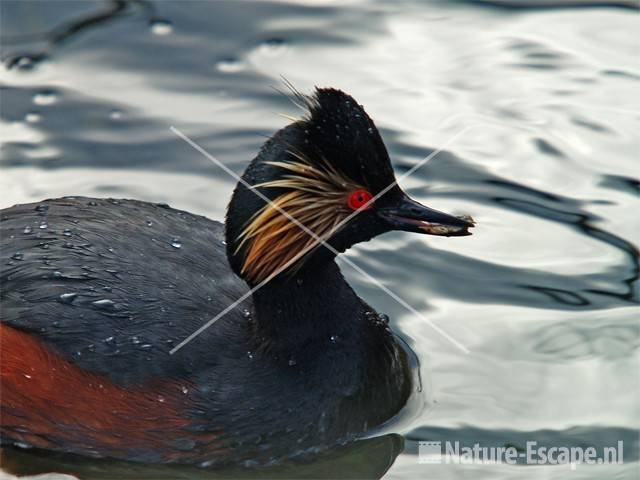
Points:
(536, 109)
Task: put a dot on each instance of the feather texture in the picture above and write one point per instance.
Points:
(314, 195)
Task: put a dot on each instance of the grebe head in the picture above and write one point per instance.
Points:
(330, 171)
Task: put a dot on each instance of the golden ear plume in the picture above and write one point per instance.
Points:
(315, 196)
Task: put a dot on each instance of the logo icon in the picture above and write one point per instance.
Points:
(430, 452)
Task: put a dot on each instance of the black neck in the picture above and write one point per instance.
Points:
(295, 318)
(297, 309)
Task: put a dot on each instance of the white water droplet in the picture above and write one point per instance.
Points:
(32, 117)
(104, 304)
(273, 47)
(161, 27)
(24, 63)
(230, 65)
(45, 98)
(68, 297)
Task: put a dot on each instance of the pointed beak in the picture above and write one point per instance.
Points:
(411, 216)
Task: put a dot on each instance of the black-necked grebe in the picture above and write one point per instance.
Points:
(97, 293)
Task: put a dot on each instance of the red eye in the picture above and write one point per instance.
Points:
(358, 199)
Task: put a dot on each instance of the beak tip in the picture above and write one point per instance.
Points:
(409, 215)
(471, 223)
(467, 218)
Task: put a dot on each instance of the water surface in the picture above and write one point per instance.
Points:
(534, 108)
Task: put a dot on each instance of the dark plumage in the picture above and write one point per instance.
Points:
(96, 293)
(110, 273)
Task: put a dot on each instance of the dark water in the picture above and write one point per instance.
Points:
(534, 106)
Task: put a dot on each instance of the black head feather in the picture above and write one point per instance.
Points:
(338, 130)
(335, 131)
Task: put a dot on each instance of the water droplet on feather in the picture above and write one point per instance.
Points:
(104, 304)
(68, 298)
